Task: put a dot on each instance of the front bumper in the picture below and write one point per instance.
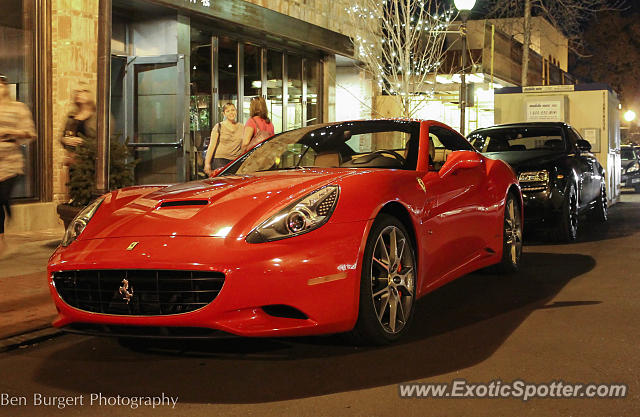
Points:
(317, 273)
(630, 180)
(542, 207)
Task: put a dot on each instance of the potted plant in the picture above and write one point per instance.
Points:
(82, 175)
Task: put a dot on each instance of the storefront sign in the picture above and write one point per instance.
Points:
(545, 111)
(548, 88)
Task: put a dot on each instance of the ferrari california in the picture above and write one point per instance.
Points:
(330, 228)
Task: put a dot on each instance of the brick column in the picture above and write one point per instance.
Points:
(74, 40)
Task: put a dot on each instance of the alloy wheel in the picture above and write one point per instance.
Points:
(573, 213)
(392, 279)
(603, 198)
(513, 231)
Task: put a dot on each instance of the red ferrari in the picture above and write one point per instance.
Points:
(329, 228)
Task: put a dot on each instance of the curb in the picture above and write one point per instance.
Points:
(28, 338)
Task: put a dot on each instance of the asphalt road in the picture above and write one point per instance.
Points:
(571, 314)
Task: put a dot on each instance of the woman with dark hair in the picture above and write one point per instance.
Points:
(226, 140)
(258, 127)
(16, 128)
(81, 122)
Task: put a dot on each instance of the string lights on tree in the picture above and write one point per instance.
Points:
(401, 43)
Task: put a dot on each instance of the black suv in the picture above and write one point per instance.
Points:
(559, 176)
(630, 156)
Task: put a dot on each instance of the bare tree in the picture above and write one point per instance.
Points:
(399, 44)
(568, 16)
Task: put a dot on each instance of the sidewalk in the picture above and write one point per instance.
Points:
(25, 302)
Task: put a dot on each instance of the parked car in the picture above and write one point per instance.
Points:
(325, 229)
(560, 177)
(630, 156)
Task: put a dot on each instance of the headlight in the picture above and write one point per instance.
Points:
(534, 176)
(634, 167)
(302, 216)
(80, 222)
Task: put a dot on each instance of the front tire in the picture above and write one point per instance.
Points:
(600, 211)
(568, 225)
(387, 284)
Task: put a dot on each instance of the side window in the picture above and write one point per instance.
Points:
(442, 142)
(382, 149)
(296, 154)
(573, 136)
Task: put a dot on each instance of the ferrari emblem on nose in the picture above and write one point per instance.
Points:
(125, 292)
(132, 245)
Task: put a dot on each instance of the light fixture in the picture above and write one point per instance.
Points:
(464, 4)
(629, 115)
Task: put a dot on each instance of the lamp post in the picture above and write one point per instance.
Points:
(464, 6)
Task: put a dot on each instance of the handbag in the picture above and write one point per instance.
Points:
(259, 135)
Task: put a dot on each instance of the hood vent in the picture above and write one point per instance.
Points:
(184, 203)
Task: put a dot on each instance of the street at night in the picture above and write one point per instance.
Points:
(315, 208)
(570, 315)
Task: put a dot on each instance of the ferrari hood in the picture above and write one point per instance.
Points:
(220, 206)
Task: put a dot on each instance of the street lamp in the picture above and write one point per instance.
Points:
(464, 6)
(629, 116)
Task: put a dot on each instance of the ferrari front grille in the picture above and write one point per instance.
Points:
(138, 292)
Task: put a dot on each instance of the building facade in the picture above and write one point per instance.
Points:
(162, 70)
(171, 66)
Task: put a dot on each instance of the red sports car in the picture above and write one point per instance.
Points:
(329, 228)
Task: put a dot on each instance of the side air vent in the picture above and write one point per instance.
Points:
(184, 203)
(284, 311)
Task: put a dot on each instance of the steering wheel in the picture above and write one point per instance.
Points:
(372, 155)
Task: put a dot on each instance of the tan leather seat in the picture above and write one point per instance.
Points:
(327, 160)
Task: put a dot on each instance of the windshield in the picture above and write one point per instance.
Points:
(518, 139)
(390, 144)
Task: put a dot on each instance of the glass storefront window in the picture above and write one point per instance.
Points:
(252, 77)
(274, 88)
(17, 49)
(294, 87)
(312, 78)
(201, 103)
(227, 73)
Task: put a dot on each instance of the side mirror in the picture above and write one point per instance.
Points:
(460, 160)
(215, 172)
(583, 145)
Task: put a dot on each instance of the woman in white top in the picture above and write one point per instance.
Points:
(226, 140)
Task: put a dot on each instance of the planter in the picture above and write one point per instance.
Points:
(67, 213)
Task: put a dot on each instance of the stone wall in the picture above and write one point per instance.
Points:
(74, 47)
(328, 14)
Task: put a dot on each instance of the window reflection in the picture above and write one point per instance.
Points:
(274, 88)
(294, 106)
(252, 77)
(312, 76)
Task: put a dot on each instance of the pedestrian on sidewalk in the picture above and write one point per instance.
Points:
(258, 127)
(16, 128)
(226, 140)
(81, 123)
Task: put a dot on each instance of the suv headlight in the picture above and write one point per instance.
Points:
(534, 176)
(80, 222)
(633, 168)
(300, 217)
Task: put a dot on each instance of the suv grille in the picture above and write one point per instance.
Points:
(138, 292)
